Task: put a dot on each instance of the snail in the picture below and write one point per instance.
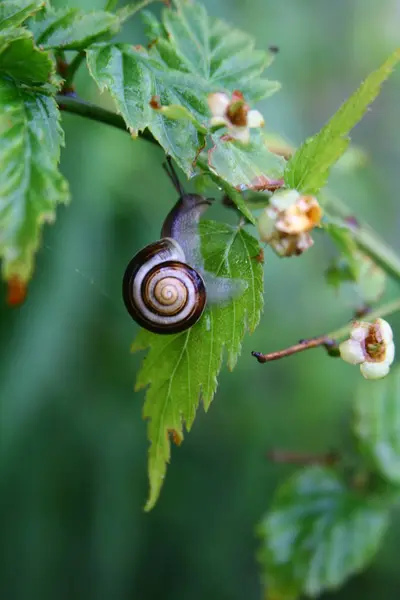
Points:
(165, 286)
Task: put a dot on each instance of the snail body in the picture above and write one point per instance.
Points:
(165, 286)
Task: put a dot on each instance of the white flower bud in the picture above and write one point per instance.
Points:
(234, 114)
(371, 346)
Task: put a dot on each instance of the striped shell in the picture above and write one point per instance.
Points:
(161, 292)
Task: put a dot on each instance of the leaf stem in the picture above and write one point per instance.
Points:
(330, 340)
(73, 68)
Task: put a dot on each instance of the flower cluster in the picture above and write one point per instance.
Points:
(234, 114)
(371, 346)
(286, 222)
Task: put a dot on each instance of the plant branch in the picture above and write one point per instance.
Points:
(303, 458)
(328, 341)
(76, 106)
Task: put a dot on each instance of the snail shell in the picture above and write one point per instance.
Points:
(161, 292)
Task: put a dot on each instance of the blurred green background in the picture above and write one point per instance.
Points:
(73, 444)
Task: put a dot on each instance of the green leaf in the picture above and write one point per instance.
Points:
(190, 55)
(30, 184)
(73, 29)
(181, 369)
(319, 532)
(21, 60)
(377, 414)
(216, 52)
(15, 12)
(308, 170)
(243, 164)
(133, 79)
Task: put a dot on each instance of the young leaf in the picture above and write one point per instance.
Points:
(21, 59)
(181, 369)
(30, 184)
(73, 29)
(377, 414)
(134, 79)
(15, 12)
(318, 533)
(308, 170)
(189, 56)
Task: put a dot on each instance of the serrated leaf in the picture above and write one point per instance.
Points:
(21, 59)
(72, 28)
(319, 532)
(133, 79)
(217, 52)
(377, 417)
(308, 170)
(15, 12)
(242, 164)
(30, 183)
(190, 55)
(181, 369)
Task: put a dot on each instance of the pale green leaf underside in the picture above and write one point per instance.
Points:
(21, 59)
(318, 533)
(377, 423)
(30, 184)
(73, 29)
(14, 12)
(241, 164)
(181, 369)
(308, 170)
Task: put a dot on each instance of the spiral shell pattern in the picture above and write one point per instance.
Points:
(161, 292)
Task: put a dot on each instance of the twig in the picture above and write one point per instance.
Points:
(303, 458)
(75, 105)
(329, 341)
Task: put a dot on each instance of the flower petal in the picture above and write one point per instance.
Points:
(389, 355)
(265, 225)
(360, 331)
(385, 330)
(218, 103)
(284, 199)
(371, 370)
(242, 134)
(352, 352)
(255, 119)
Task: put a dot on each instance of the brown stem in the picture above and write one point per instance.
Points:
(303, 458)
(329, 344)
